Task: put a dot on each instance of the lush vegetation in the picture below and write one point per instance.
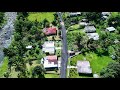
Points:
(97, 62)
(103, 54)
(1, 19)
(4, 67)
(26, 33)
(111, 71)
(99, 52)
(23, 62)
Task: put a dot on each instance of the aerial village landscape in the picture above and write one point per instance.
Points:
(59, 44)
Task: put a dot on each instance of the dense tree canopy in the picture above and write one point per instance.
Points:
(93, 16)
(114, 20)
(38, 72)
(112, 71)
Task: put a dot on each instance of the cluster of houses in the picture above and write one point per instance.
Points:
(91, 32)
(50, 61)
(90, 29)
(83, 67)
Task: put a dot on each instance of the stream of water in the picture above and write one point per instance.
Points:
(6, 33)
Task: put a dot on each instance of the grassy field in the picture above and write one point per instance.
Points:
(52, 76)
(97, 63)
(4, 67)
(114, 14)
(41, 16)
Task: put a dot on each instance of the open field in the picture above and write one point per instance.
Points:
(41, 16)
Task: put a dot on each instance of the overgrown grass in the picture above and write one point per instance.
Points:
(4, 67)
(97, 63)
(41, 16)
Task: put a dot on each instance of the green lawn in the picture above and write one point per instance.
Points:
(51, 76)
(4, 67)
(114, 13)
(74, 27)
(97, 63)
(41, 16)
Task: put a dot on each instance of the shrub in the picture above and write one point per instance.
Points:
(73, 73)
(58, 53)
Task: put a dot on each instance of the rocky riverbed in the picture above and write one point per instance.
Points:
(6, 33)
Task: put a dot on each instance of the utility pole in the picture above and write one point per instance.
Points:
(64, 57)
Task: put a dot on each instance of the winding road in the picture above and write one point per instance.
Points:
(6, 32)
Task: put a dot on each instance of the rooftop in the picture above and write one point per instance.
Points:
(50, 30)
(105, 13)
(49, 44)
(74, 13)
(53, 57)
(29, 47)
(83, 64)
(95, 36)
(84, 67)
(89, 29)
(110, 29)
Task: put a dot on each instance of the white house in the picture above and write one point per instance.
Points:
(110, 29)
(83, 23)
(29, 47)
(50, 62)
(74, 13)
(49, 47)
(95, 36)
(105, 13)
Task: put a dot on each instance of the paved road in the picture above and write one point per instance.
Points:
(64, 59)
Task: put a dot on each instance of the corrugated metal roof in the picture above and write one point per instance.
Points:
(49, 31)
(83, 67)
(110, 29)
(89, 29)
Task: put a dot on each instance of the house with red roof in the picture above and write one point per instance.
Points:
(50, 62)
(50, 31)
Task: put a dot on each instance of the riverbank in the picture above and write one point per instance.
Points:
(6, 32)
